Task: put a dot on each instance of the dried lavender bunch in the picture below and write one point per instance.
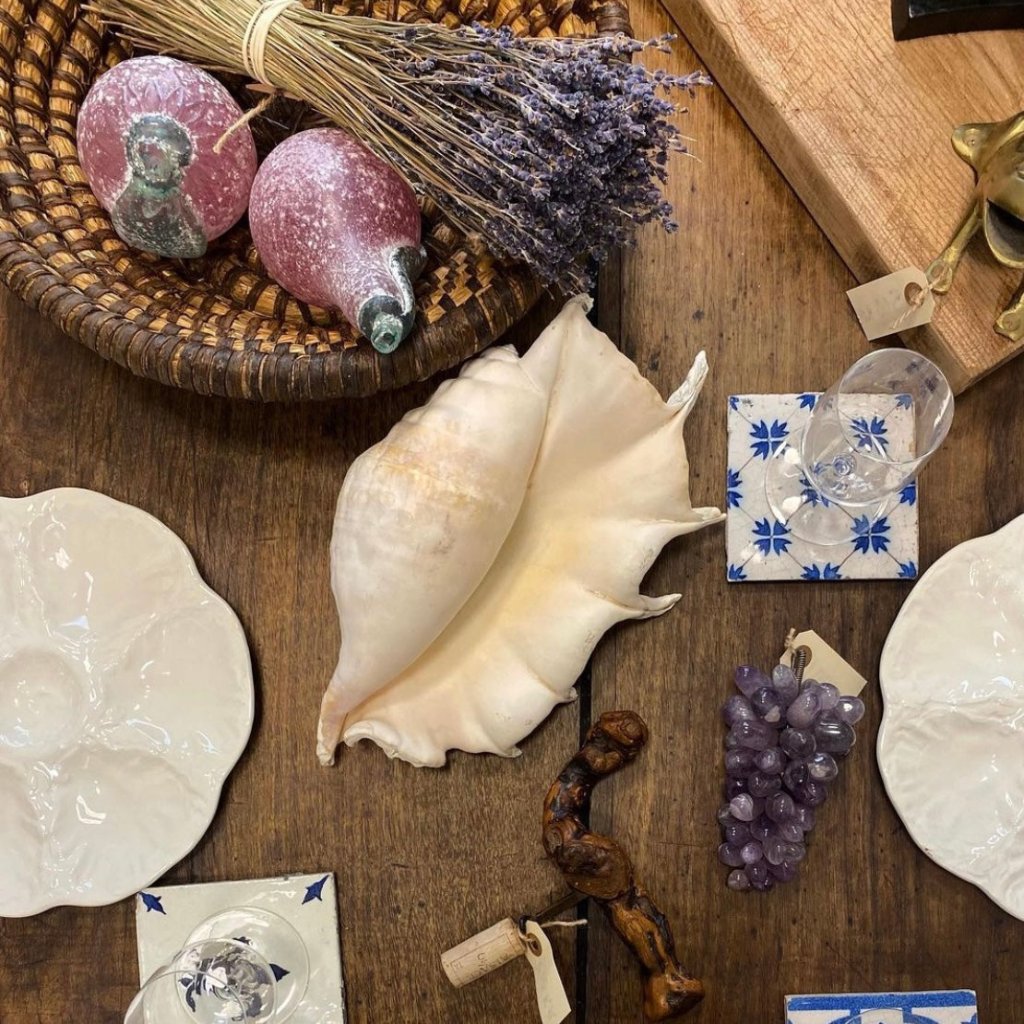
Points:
(551, 151)
(572, 143)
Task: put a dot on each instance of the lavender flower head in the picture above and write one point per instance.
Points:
(552, 150)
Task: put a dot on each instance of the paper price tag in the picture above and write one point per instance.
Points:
(483, 953)
(893, 303)
(551, 998)
(824, 664)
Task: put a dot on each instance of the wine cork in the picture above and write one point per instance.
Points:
(483, 953)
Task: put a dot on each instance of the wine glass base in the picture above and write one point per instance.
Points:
(275, 940)
(806, 513)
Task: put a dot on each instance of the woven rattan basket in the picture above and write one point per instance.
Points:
(219, 325)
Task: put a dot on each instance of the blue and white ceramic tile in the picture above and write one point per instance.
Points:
(884, 1008)
(759, 548)
(165, 916)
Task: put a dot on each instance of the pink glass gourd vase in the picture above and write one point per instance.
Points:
(146, 137)
(338, 227)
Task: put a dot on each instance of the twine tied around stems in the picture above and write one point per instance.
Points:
(254, 48)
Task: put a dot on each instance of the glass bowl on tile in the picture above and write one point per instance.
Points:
(274, 939)
(244, 965)
(845, 468)
(216, 981)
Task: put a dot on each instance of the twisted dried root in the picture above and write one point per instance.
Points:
(598, 867)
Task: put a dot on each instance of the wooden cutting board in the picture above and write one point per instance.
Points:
(861, 125)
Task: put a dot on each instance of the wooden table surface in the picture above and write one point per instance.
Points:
(425, 858)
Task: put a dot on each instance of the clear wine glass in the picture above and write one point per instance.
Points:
(845, 465)
(217, 981)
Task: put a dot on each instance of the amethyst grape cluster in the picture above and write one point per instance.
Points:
(782, 750)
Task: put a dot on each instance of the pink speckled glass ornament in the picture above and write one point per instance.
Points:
(338, 227)
(146, 133)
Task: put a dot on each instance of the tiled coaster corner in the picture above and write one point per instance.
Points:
(165, 916)
(759, 548)
(884, 1008)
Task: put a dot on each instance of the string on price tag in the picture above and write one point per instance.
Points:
(821, 662)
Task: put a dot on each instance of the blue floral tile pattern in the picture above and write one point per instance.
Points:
(884, 1008)
(871, 434)
(759, 548)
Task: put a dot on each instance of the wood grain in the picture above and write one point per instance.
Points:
(751, 280)
(860, 125)
(251, 490)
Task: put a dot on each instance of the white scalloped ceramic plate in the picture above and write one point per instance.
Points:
(951, 746)
(126, 697)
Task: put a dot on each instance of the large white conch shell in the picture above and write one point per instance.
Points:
(483, 548)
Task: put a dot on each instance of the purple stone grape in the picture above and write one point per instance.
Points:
(748, 679)
(738, 834)
(730, 856)
(803, 815)
(829, 695)
(804, 710)
(795, 775)
(780, 808)
(767, 705)
(737, 709)
(738, 881)
(849, 710)
(751, 852)
(761, 828)
(771, 761)
(724, 816)
(811, 793)
(791, 832)
(834, 736)
(822, 767)
(761, 785)
(784, 872)
(798, 743)
(772, 847)
(739, 762)
(731, 740)
(742, 807)
(733, 788)
(777, 850)
(785, 683)
(757, 872)
(755, 735)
